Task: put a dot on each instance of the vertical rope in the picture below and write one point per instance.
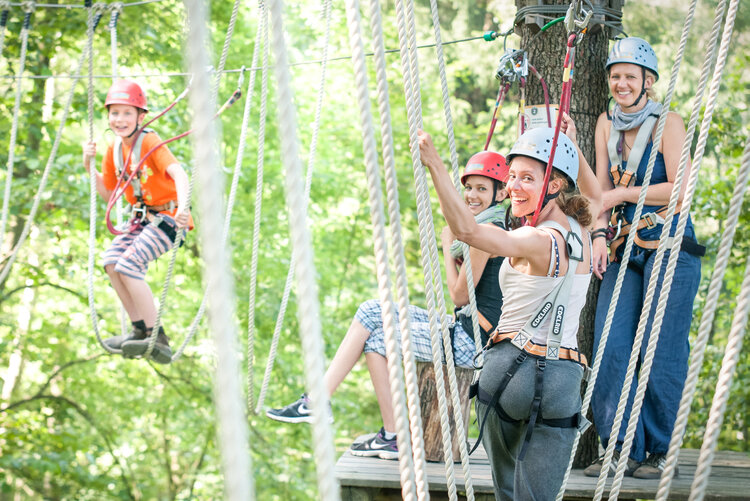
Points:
(623, 267)
(397, 249)
(4, 12)
(232, 428)
(675, 249)
(309, 310)
(28, 10)
(406, 464)
(427, 239)
(704, 330)
(698, 348)
(308, 186)
(259, 38)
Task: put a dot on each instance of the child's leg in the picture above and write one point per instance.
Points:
(348, 353)
(378, 367)
(141, 298)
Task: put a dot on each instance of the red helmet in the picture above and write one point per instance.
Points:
(126, 92)
(488, 164)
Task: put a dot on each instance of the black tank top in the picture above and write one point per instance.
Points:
(489, 298)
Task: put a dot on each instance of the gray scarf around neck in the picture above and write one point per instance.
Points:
(493, 214)
(625, 121)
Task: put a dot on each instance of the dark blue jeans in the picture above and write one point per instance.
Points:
(669, 368)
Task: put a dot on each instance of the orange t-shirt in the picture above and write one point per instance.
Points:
(157, 187)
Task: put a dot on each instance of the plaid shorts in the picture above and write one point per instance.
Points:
(369, 315)
(132, 251)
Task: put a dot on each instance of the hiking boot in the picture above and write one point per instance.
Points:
(653, 467)
(595, 468)
(161, 354)
(378, 446)
(115, 343)
(298, 411)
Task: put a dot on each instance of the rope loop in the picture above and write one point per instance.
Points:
(28, 6)
(116, 8)
(99, 8)
(4, 5)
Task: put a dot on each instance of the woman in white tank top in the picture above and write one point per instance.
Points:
(529, 389)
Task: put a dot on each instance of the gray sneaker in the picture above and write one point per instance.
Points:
(161, 354)
(298, 411)
(653, 467)
(595, 468)
(115, 343)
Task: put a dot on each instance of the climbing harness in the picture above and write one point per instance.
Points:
(553, 305)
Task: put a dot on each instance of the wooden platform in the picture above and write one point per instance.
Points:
(373, 479)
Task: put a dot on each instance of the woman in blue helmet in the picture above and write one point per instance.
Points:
(624, 140)
(529, 388)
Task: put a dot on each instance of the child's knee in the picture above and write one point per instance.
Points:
(131, 265)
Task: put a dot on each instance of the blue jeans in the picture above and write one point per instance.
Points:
(669, 369)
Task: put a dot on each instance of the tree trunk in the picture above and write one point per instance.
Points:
(547, 54)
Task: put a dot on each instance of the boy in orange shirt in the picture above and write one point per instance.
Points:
(158, 195)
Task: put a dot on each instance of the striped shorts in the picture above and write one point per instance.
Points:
(131, 252)
(369, 315)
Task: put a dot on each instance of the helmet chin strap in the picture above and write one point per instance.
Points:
(547, 199)
(494, 202)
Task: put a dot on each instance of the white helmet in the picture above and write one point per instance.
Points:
(537, 143)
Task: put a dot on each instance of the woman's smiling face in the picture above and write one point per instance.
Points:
(478, 191)
(525, 181)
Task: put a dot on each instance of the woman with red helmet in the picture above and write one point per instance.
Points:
(158, 192)
(484, 190)
(528, 392)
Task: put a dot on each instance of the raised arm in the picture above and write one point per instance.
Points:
(456, 274)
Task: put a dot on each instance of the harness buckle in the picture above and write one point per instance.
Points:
(139, 212)
(583, 423)
(652, 220)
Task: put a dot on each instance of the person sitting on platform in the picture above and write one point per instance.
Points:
(484, 190)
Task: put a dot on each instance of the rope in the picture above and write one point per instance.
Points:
(241, 69)
(447, 340)
(395, 376)
(308, 186)
(711, 300)
(79, 6)
(45, 174)
(621, 274)
(698, 348)
(426, 235)
(309, 309)
(14, 126)
(723, 386)
(232, 428)
(397, 249)
(261, 36)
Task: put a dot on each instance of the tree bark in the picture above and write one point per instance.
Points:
(546, 53)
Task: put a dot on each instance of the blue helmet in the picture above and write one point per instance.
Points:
(537, 143)
(634, 50)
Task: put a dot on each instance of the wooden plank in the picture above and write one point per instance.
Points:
(729, 480)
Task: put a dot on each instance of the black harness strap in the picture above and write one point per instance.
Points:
(541, 364)
(494, 402)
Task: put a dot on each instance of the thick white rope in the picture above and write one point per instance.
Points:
(427, 238)
(623, 268)
(232, 427)
(645, 368)
(447, 342)
(308, 186)
(723, 386)
(47, 169)
(395, 376)
(14, 125)
(180, 234)
(309, 310)
(729, 356)
(397, 254)
(261, 37)
(698, 349)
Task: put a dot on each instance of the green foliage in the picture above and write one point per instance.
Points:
(76, 423)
